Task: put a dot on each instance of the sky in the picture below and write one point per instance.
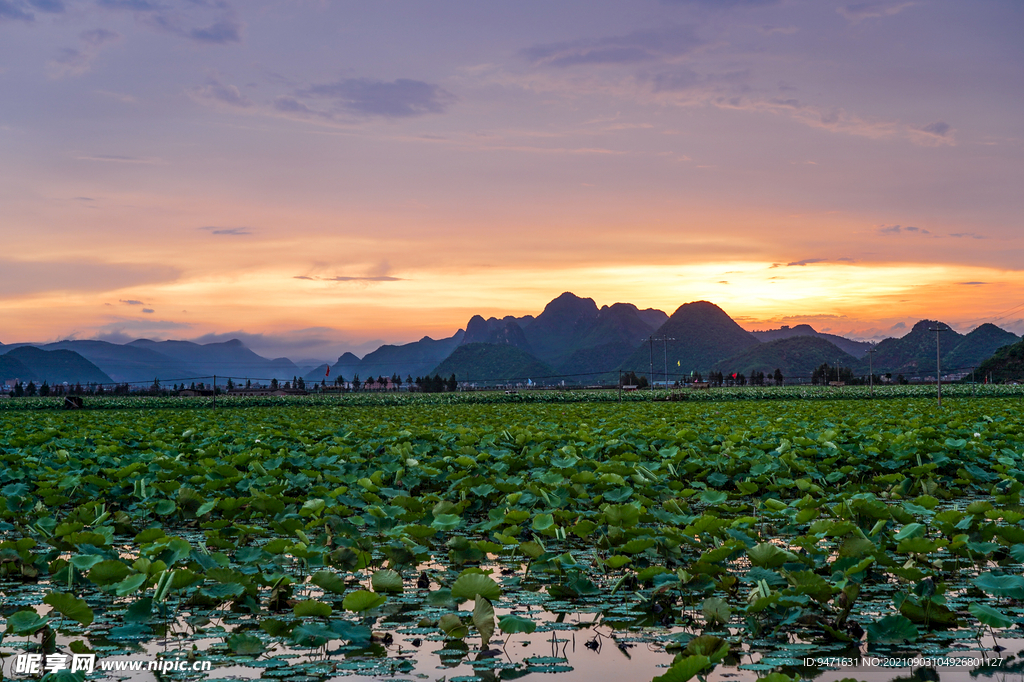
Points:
(315, 177)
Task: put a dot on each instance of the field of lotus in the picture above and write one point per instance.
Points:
(429, 539)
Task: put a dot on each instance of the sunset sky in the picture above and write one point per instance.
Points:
(315, 176)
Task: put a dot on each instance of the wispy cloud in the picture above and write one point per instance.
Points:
(401, 98)
(372, 278)
(211, 23)
(631, 48)
(117, 158)
(76, 61)
(806, 261)
(838, 120)
(377, 273)
(859, 11)
(130, 302)
(220, 93)
(899, 229)
(228, 231)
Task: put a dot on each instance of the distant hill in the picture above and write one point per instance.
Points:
(703, 335)
(57, 366)
(126, 362)
(977, 346)
(12, 368)
(317, 374)
(506, 331)
(490, 363)
(1007, 364)
(796, 357)
(854, 348)
(411, 359)
(551, 334)
(572, 335)
(913, 354)
(228, 358)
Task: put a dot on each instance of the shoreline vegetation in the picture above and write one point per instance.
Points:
(533, 395)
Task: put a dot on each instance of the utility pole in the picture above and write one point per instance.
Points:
(651, 340)
(666, 339)
(215, 391)
(871, 373)
(938, 364)
(620, 385)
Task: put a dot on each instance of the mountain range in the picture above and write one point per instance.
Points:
(571, 340)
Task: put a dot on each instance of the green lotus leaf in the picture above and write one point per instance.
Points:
(468, 586)
(685, 669)
(387, 580)
(989, 616)
(892, 629)
(108, 572)
(245, 645)
(512, 624)
(362, 600)
(70, 607)
(25, 622)
(483, 619)
(312, 608)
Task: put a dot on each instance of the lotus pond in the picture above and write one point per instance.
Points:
(714, 540)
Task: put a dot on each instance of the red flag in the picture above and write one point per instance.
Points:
(328, 371)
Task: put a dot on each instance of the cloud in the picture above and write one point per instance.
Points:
(632, 48)
(898, 326)
(340, 278)
(687, 79)
(114, 331)
(898, 229)
(33, 277)
(967, 235)
(220, 33)
(220, 29)
(130, 302)
(219, 93)
(375, 278)
(724, 4)
(401, 98)
(838, 120)
(232, 231)
(14, 11)
(75, 62)
(148, 310)
(807, 261)
(116, 158)
(50, 6)
(971, 284)
(326, 342)
(377, 273)
(859, 11)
